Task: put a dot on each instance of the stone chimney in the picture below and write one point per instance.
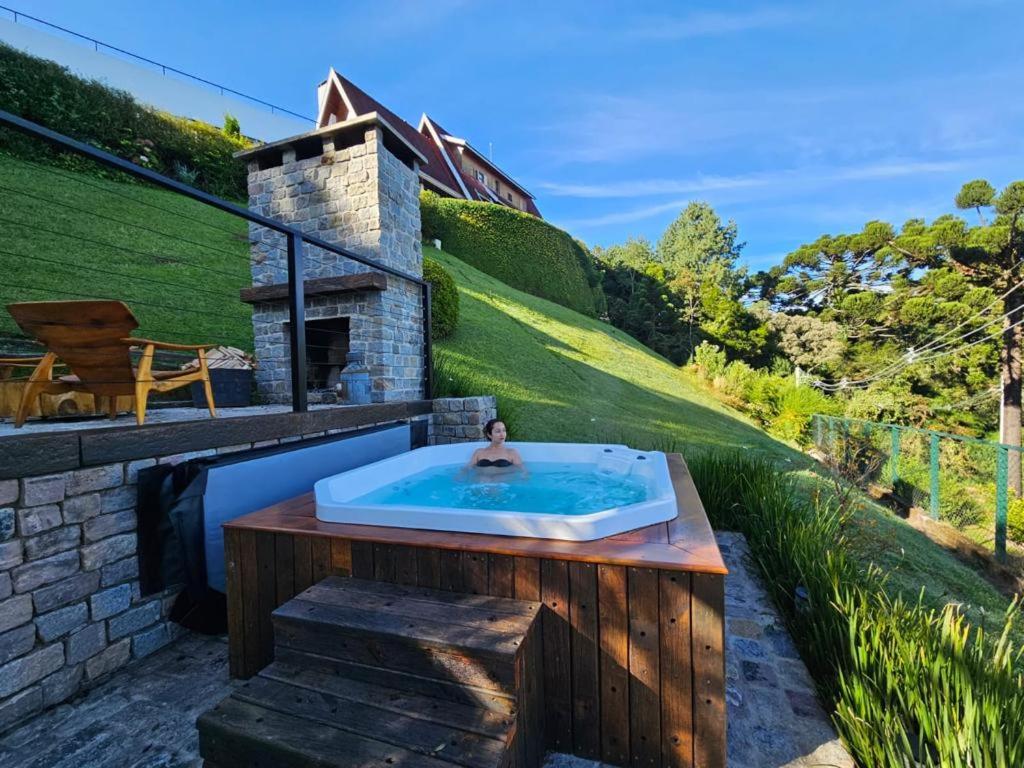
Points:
(354, 184)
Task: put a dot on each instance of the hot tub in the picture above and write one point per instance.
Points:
(571, 491)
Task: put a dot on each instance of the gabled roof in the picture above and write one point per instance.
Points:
(359, 102)
(442, 168)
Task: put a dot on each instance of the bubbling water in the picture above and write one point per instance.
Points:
(548, 487)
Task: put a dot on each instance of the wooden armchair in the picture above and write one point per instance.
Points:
(93, 339)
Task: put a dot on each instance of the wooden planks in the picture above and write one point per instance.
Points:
(554, 592)
(644, 677)
(632, 655)
(583, 609)
(632, 663)
(614, 664)
(676, 671)
(708, 633)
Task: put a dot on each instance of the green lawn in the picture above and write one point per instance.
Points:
(562, 376)
(177, 263)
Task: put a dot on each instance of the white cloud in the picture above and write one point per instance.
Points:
(714, 23)
(789, 177)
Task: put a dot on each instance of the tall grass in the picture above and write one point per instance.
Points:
(908, 685)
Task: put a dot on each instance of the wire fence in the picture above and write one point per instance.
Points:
(961, 480)
(178, 257)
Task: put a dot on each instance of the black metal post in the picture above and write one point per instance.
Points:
(297, 318)
(428, 347)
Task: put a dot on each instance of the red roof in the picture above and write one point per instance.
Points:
(362, 103)
(436, 168)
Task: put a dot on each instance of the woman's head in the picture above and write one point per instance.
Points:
(495, 431)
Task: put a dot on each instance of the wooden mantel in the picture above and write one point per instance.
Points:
(318, 286)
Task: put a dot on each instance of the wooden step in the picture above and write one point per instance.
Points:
(369, 673)
(463, 639)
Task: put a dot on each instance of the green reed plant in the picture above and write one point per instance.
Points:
(907, 685)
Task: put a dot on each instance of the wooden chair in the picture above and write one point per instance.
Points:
(93, 339)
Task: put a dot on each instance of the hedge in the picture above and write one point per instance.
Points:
(47, 93)
(516, 248)
(444, 299)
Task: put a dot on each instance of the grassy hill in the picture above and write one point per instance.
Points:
(177, 263)
(562, 376)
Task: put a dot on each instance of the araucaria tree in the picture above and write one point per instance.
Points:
(988, 254)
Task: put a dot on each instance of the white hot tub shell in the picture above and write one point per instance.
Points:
(337, 496)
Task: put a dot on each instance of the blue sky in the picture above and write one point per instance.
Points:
(794, 119)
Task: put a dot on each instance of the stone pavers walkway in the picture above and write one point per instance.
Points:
(144, 716)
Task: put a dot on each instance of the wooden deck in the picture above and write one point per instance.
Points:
(632, 625)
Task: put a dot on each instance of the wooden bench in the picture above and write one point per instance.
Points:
(371, 673)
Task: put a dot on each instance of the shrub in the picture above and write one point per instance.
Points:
(795, 406)
(517, 248)
(910, 686)
(738, 379)
(47, 93)
(444, 299)
(709, 360)
(1015, 520)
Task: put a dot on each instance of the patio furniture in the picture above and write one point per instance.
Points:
(93, 339)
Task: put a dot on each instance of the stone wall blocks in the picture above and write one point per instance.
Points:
(26, 670)
(8, 491)
(70, 590)
(11, 554)
(17, 642)
(46, 489)
(133, 620)
(114, 657)
(95, 479)
(7, 523)
(15, 611)
(56, 624)
(110, 602)
(20, 707)
(52, 542)
(85, 643)
(38, 573)
(132, 469)
(34, 520)
(122, 570)
(107, 551)
(80, 508)
(107, 525)
(61, 685)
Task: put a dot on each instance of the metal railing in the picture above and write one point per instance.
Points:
(963, 479)
(296, 244)
(164, 68)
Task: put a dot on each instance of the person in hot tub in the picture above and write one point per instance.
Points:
(496, 458)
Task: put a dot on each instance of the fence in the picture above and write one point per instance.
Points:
(179, 260)
(99, 45)
(961, 479)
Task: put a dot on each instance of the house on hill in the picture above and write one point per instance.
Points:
(454, 168)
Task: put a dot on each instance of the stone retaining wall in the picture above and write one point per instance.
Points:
(70, 605)
(460, 419)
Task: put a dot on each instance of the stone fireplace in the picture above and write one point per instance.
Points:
(354, 184)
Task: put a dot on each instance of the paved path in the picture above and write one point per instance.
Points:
(144, 716)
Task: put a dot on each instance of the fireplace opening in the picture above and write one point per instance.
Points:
(326, 347)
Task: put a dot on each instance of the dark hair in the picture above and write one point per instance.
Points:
(489, 426)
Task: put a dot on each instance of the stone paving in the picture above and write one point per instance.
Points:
(143, 716)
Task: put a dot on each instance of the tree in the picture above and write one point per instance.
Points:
(988, 254)
(822, 273)
(698, 249)
(231, 126)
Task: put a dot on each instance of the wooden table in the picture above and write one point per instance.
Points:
(633, 624)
